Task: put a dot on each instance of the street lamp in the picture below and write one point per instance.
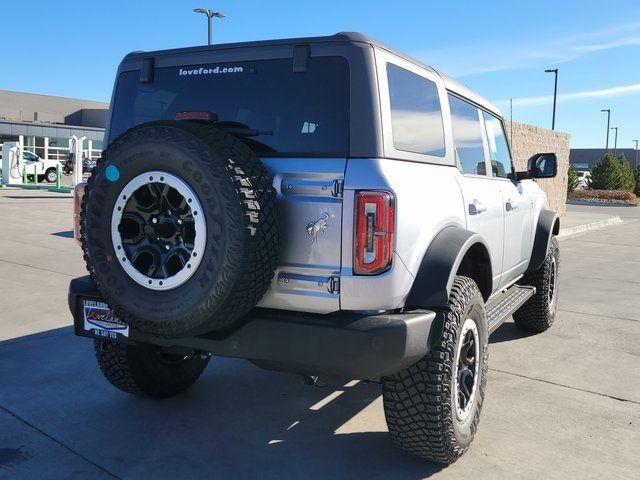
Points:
(555, 95)
(615, 142)
(210, 14)
(636, 152)
(608, 110)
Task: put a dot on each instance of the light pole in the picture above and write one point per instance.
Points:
(636, 152)
(608, 110)
(555, 95)
(615, 142)
(210, 14)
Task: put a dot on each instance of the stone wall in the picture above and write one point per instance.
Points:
(527, 140)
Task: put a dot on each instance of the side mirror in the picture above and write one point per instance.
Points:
(543, 165)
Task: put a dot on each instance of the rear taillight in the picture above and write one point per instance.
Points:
(374, 232)
(78, 193)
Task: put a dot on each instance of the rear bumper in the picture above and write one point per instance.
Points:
(345, 344)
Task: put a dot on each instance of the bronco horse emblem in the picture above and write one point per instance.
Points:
(319, 226)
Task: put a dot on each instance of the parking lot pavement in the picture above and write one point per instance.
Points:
(564, 404)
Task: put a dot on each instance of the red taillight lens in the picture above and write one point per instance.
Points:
(78, 193)
(374, 232)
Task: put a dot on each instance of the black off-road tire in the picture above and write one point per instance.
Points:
(144, 370)
(242, 235)
(420, 402)
(539, 312)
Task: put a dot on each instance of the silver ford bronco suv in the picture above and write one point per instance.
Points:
(324, 206)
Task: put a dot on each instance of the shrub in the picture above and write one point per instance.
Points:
(605, 195)
(612, 172)
(636, 175)
(572, 179)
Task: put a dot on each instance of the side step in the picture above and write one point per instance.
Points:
(504, 304)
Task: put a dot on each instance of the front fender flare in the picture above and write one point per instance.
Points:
(548, 225)
(432, 285)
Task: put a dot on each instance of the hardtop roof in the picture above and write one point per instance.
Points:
(344, 37)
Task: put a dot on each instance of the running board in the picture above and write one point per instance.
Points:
(504, 304)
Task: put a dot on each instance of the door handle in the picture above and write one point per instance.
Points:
(511, 205)
(476, 207)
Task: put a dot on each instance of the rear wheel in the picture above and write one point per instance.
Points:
(144, 369)
(433, 407)
(50, 175)
(539, 312)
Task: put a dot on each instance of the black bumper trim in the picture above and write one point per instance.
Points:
(352, 345)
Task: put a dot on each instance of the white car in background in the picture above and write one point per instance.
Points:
(583, 179)
(46, 168)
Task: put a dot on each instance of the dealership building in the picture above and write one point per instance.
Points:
(44, 124)
(586, 158)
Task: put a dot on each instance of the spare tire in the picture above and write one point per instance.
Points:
(179, 228)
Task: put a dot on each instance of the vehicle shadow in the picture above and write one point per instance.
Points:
(508, 332)
(63, 234)
(237, 421)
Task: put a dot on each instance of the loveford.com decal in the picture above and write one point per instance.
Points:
(209, 71)
(100, 319)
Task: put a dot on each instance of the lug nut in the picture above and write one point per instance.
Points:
(179, 221)
(167, 247)
(154, 220)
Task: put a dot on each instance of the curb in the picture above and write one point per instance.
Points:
(586, 227)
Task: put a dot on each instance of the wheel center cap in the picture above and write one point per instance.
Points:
(166, 229)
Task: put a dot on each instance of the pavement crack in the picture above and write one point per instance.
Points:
(548, 382)
(58, 442)
(37, 268)
(591, 314)
(587, 277)
(605, 243)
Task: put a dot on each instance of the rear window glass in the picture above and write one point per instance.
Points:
(416, 117)
(293, 113)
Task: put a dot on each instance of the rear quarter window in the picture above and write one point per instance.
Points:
(416, 114)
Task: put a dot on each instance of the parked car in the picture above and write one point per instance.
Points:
(322, 206)
(46, 168)
(87, 164)
(584, 178)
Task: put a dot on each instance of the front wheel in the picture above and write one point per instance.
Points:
(539, 312)
(146, 370)
(433, 407)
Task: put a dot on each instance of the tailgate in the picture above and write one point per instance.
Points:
(310, 210)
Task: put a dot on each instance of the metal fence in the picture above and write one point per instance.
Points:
(58, 153)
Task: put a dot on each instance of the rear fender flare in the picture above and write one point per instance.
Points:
(433, 282)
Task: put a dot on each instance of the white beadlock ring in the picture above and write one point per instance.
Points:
(200, 226)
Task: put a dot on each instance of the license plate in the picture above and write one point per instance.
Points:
(101, 322)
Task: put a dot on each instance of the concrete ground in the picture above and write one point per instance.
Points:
(564, 404)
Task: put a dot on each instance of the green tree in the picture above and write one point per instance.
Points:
(636, 175)
(572, 179)
(612, 172)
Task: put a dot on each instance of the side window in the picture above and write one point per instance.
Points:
(499, 155)
(467, 136)
(416, 117)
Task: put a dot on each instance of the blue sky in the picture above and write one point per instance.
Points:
(499, 49)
